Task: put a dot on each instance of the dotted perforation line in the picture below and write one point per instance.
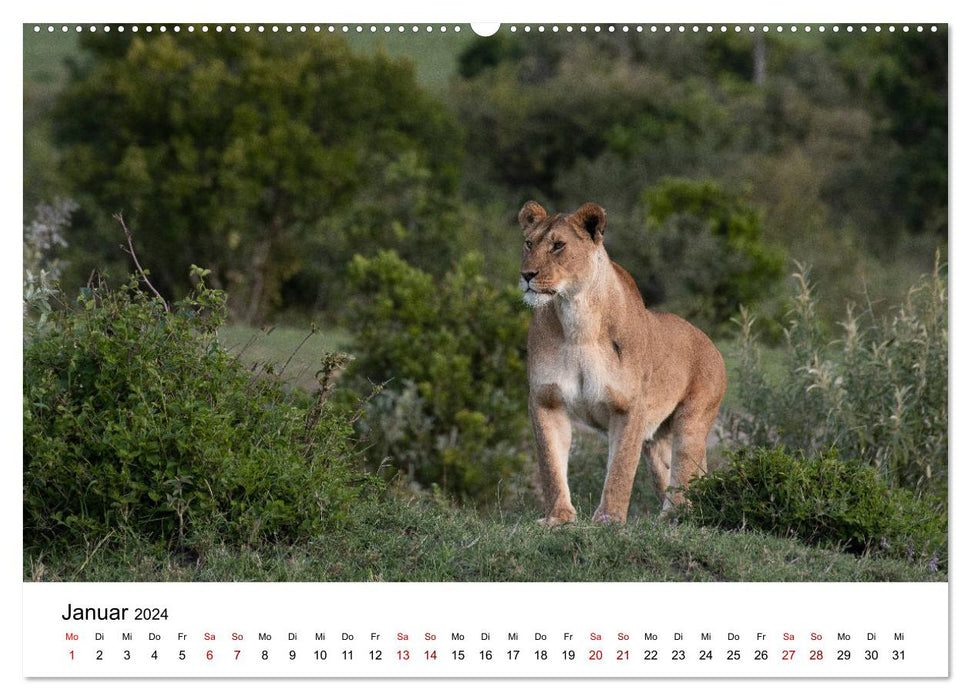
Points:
(251, 28)
(442, 29)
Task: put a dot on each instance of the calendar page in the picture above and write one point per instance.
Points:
(525, 350)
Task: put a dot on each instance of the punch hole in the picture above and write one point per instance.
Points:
(485, 28)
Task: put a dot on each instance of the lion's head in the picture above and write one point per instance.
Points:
(561, 252)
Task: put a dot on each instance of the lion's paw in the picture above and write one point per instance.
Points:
(604, 516)
(557, 519)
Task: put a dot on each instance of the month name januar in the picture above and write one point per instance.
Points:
(76, 613)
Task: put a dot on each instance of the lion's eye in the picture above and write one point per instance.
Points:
(558, 246)
(529, 244)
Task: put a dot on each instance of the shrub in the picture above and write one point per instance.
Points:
(711, 256)
(877, 393)
(822, 500)
(453, 352)
(137, 422)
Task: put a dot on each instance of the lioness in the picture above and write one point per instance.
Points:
(649, 381)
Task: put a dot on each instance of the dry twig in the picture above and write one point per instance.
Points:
(131, 251)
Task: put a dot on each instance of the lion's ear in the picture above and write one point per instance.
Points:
(593, 219)
(530, 214)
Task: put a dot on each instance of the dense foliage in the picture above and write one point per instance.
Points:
(838, 142)
(136, 422)
(452, 351)
(821, 500)
(271, 158)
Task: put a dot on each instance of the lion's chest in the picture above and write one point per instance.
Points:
(587, 379)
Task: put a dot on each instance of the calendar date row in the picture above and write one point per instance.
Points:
(486, 655)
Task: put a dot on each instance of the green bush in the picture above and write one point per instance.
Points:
(137, 422)
(711, 256)
(823, 500)
(876, 393)
(453, 352)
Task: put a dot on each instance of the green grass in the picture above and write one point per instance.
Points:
(294, 353)
(413, 540)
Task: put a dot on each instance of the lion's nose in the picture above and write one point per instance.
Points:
(527, 276)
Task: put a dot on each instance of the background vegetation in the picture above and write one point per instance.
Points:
(176, 421)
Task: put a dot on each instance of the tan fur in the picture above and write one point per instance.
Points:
(649, 381)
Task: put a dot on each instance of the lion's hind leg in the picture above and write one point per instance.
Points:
(690, 437)
(658, 452)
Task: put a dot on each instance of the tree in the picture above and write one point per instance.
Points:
(243, 152)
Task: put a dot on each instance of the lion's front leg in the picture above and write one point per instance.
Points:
(553, 432)
(626, 434)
